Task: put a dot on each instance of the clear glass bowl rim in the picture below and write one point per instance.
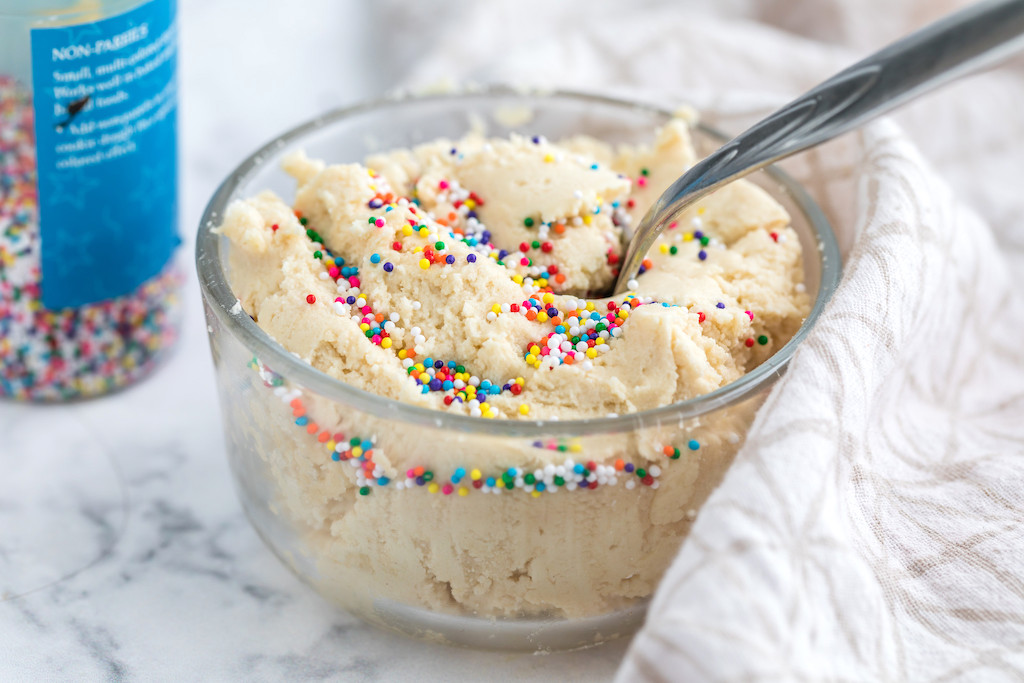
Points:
(220, 299)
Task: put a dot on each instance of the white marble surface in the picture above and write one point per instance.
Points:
(123, 551)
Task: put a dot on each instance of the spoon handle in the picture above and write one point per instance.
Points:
(953, 46)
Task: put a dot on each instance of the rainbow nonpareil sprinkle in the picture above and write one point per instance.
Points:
(53, 355)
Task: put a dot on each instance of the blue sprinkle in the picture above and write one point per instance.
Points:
(694, 445)
(383, 481)
(490, 481)
(448, 384)
(460, 472)
(335, 456)
(719, 305)
(302, 421)
(375, 258)
(578, 469)
(540, 486)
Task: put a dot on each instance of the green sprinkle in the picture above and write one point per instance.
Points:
(641, 472)
(427, 476)
(762, 340)
(439, 245)
(460, 368)
(535, 244)
(510, 485)
(675, 453)
(673, 250)
(354, 441)
(644, 172)
(529, 479)
(704, 240)
(303, 221)
(559, 481)
(318, 254)
(364, 490)
(528, 222)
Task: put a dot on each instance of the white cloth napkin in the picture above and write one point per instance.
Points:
(872, 527)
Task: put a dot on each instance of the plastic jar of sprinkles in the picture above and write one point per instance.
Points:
(88, 194)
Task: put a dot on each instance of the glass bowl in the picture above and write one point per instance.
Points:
(502, 534)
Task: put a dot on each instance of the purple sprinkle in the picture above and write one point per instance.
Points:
(420, 481)
(538, 444)
(438, 364)
(698, 235)
(702, 255)
(449, 259)
(629, 467)
(376, 203)
(720, 305)
(454, 151)
(435, 384)
(485, 236)
(643, 269)
(350, 300)
(471, 258)
(536, 139)
(502, 254)
(471, 214)
(389, 266)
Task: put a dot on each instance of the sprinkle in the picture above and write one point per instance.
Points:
(424, 263)
(310, 299)
(388, 266)
(528, 222)
(375, 258)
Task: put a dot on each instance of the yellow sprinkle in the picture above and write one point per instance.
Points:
(542, 317)
(385, 343)
(424, 263)
(357, 451)
(688, 237)
(463, 491)
(402, 354)
(598, 341)
(470, 203)
(520, 381)
(424, 232)
(547, 298)
(406, 230)
(587, 220)
(534, 350)
(524, 409)
(364, 326)
(663, 249)
(591, 353)
(496, 308)
(548, 158)
(433, 487)
(418, 249)
(518, 279)
(535, 494)
(475, 474)
(590, 305)
(331, 445)
(624, 314)
(419, 366)
(575, 447)
(700, 211)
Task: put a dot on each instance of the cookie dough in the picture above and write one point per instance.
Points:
(461, 276)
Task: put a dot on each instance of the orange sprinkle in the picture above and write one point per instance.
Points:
(379, 317)
(441, 221)
(647, 263)
(668, 450)
(559, 278)
(296, 403)
(557, 320)
(312, 427)
(324, 437)
(410, 352)
(620, 465)
(452, 215)
(559, 228)
(568, 360)
(298, 412)
(419, 471)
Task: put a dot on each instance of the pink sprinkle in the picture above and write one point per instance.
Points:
(673, 225)
(379, 222)
(410, 473)
(375, 339)
(447, 489)
(524, 261)
(339, 299)
(333, 272)
(366, 310)
(443, 185)
(642, 182)
(750, 314)
(353, 281)
(545, 351)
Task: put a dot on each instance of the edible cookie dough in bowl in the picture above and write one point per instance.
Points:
(435, 415)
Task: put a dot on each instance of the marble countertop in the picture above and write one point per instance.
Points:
(124, 553)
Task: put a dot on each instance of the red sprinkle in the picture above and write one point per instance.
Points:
(749, 342)
(310, 299)
(701, 317)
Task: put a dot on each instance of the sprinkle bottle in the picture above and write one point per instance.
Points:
(88, 194)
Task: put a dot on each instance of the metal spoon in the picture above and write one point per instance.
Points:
(953, 46)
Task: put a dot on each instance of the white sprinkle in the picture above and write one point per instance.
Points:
(492, 316)
(632, 284)
(654, 471)
(631, 484)
(394, 317)
(416, 305)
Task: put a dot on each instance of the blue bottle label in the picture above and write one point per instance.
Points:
(106, 131)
